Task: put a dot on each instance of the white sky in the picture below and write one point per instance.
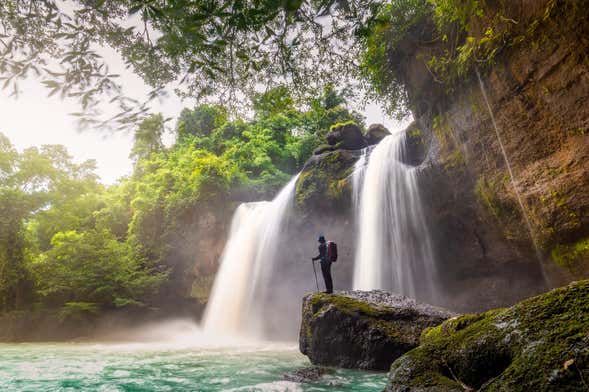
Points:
(34, 119)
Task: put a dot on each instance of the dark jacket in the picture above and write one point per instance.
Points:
(322, 253)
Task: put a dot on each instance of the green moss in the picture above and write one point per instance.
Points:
(342, 124)
(415, 133)
(324, 185)
(486, 192)
(347, 305)
(378, 317)
(450, 326)
(521, 348)
(571, 256)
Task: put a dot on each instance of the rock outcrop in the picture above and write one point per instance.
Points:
(364, 330)
(540, 344)
(375, 133)
(346, 135)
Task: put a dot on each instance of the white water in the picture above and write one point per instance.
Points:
(248, 259)
(358, 177)
(394, 250)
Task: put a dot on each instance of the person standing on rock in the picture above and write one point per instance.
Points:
(325, 264)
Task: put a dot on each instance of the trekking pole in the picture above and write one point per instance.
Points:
(315, 271)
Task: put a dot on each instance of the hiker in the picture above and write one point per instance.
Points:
(325, 264)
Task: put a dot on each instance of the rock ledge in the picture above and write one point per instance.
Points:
(364, 330)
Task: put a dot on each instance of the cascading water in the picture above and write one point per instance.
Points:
(394, 250)
(246, 266)
(358, 177)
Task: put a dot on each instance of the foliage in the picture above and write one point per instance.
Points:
(92, 267)
(148, 137)
(55, 246)
(224, 51)
(397, 21)
(68, 242)
(454, 39)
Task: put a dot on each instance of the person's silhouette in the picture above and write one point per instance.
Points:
(325, 264)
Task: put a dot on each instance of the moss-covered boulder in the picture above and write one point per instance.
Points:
(540, 344)
(364, 330)
(375, 133)
(346, 135)
(324, 184)
(322, 149)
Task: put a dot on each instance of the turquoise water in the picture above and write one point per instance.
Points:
(162, 367)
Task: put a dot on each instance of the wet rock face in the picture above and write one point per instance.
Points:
(364, 330)
(540, 344)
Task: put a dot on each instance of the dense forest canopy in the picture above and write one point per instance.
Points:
(69, 243)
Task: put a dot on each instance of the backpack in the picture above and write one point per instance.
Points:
(331, 251)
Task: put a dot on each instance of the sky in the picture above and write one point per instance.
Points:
(33, 119)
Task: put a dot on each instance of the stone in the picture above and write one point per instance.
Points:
(323, 149)
(540, 344)
(363, 330)
(346, 135)
(307, 374)
(375, 133)
(324, 184)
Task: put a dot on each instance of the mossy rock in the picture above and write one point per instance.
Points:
(572, 257)
(322, 149)
(416, 144)
(365, 330)
(541, 344)
(347, 135)
(324, 185)
(375, 133)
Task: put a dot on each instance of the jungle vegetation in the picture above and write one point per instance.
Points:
(69, 243)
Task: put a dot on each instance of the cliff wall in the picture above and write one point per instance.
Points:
(493, 249)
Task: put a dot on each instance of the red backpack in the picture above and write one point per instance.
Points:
(331, 251)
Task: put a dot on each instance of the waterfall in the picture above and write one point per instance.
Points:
(394, 250)
(358, 177)
(247, 262)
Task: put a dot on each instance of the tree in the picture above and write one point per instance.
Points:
(148, 138)
(218, 50)
(200, 121)
(94, 268)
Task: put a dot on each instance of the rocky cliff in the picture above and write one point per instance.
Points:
(506, 178)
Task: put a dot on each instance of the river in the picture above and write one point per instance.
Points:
(184, 362)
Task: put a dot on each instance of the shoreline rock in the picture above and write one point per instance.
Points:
(540, 344)
(363, 330)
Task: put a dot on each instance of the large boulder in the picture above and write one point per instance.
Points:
(324, 184)
(346, 135)
(364, 330)
(540, 344)
(375, 133)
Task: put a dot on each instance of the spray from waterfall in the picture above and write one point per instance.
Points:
(511, 175)
(249, 257)
(394, 248)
